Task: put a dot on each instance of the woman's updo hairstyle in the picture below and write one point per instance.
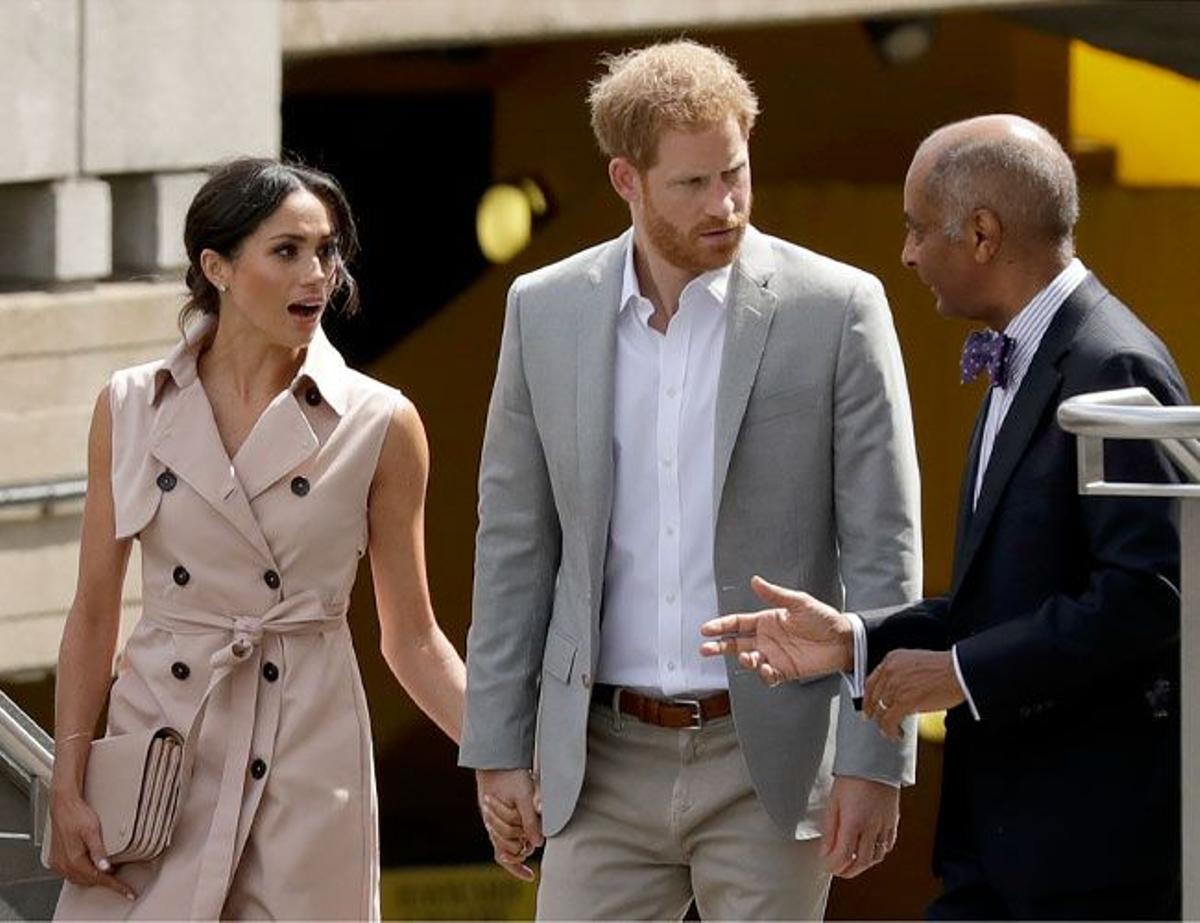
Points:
(236, 199)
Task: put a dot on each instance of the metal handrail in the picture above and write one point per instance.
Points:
(1132, 413)
(43, 492)
(24, 744)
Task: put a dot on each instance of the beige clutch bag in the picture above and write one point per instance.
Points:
(133, 783)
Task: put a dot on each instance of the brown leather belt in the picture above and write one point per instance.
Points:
(676, 714)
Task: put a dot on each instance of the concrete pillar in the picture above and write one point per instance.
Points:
(148, 214)
(39, 89)
(56, 232)
(178, 85)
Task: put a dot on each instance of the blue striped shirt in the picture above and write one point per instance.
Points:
(1026, 331)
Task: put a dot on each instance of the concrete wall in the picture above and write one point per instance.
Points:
(56, 353)
(145, 90)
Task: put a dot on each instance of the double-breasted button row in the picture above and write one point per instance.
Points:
(271, 579)
(258, 768)
(180, 670)
(181, 575)
(270, 672)
(166, 481)
(300, 486)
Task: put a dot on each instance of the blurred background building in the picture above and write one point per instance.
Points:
(460, 132)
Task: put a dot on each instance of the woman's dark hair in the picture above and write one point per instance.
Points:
(236, 199)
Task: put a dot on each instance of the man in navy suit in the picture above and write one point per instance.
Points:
(1056, 649)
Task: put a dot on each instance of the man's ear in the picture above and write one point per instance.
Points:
(625, 179)
(987, 234)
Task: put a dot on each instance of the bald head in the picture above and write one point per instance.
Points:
(1008, 165)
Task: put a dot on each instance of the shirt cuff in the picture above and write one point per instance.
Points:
(858, 679)
(962, 683)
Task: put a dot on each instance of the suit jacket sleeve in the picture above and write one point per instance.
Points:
(921, 626)
(877, 501)
(517, 552)
(1127, 608)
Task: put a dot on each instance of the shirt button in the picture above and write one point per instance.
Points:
(671, 666)
(270, 672)
(670, 530)
(258, 769)
(667, 463)
(671, 598)
(271, 579)
(672, 391)
(181, 575)
(313, 396)
(167, 480)
(300, 486)
(180, 670)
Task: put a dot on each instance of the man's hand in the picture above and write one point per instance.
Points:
(510, 806)
(860, 825)
(908, 683)
(801, 638)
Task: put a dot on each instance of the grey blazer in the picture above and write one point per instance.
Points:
(815, 486)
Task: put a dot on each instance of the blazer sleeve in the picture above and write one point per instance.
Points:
(1128, 607)
(877, 506)
(517, 551)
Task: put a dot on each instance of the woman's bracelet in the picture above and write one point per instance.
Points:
(75, 736)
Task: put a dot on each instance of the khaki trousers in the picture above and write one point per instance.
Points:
(666, 816)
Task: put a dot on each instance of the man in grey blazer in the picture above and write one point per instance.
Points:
(675, 411)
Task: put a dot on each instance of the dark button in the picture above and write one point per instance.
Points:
(180, 670)
(270, 672)
(271, 579)
(181, 575)
(258, 769)
(313, 396)
(300, 486)
(167, 480)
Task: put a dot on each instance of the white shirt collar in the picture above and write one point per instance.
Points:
(715, 281)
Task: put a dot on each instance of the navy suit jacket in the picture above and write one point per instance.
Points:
(1065, 613)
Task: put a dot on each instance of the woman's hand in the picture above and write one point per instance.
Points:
(76, 847)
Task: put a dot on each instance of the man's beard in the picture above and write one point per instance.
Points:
(686, 250)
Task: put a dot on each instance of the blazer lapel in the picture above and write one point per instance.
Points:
(751, 307)
(966, 496)
(185, 439)
(596, 354)
(1039, 387)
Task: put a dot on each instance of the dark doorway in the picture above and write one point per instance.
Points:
(413, 167)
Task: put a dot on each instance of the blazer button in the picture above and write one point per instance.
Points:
(270, 672)
(300, 486)
(586, 680)
(271, 579)
(181, 575)
(258, 769)
(167, 480)
(313, 396)
(180, 670)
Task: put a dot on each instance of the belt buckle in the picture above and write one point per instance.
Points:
(697, 713)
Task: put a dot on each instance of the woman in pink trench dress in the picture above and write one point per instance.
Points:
(256, 469)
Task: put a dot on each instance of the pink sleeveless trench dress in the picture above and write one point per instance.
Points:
(247, 566)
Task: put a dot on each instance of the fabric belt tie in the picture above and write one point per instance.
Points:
(237, 665)
(676, 714)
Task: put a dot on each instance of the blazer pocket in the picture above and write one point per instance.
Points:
(559, 656)
(777, 404)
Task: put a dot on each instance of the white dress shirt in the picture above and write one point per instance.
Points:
(659, 584)
(1026, 330)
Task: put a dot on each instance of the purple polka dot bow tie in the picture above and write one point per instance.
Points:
(986, 350)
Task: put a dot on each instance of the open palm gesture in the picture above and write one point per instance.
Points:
(799, 638)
